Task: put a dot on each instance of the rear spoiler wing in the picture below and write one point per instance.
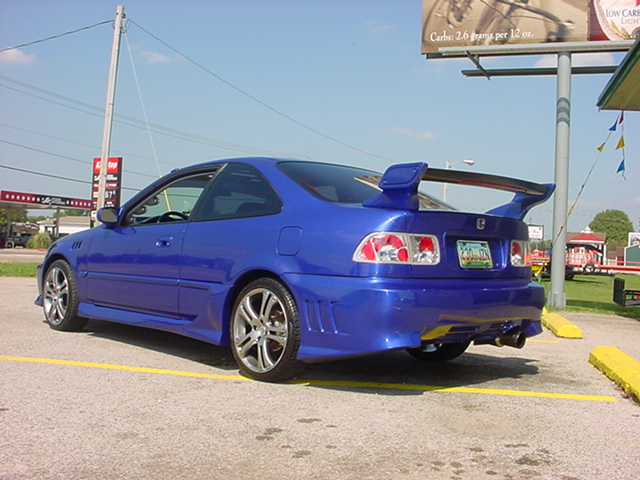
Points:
(399, 186)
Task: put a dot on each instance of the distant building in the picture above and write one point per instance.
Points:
(67, 225)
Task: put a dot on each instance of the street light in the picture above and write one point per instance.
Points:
(448, 165)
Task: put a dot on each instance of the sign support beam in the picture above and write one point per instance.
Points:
(557, 297)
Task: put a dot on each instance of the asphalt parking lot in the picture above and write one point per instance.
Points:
(119, 402)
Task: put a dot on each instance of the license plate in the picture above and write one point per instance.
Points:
(474, 254)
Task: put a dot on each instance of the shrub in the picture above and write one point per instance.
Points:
(40, 240)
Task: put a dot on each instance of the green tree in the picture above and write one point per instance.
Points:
(18, 214)
(616, 224)
(541, 245)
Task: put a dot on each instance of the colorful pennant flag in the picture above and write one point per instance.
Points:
(619, 145)
(621, 167)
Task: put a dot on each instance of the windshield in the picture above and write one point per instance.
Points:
(342, 184)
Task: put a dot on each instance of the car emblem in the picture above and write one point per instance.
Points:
(481, 223)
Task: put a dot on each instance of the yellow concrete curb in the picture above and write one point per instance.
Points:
(560, 326)
(618, 366)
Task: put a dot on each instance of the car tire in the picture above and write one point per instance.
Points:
(438, 352)
(60, 298)
(569, 273)
(265, 332)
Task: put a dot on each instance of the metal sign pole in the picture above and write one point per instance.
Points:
(557, 296)
(108, 114)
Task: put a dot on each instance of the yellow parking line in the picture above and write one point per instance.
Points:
(123, 367)
(322, 383)
(432, 388)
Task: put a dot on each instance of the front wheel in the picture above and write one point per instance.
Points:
(438, 352)
(265, 332)
(60, 298)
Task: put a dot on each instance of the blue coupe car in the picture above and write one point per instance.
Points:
(289, 262)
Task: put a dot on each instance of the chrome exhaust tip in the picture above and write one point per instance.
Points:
(515, 340)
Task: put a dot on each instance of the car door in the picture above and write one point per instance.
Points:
(233, 228)
(135, 266)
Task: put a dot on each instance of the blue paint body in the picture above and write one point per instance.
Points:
(182, 276)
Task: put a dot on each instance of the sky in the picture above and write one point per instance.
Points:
(339, 81)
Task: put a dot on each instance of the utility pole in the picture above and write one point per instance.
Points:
(108, 112)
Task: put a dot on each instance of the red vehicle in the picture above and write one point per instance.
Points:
(585, 257)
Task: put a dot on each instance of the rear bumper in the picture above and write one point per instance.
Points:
(346, 316)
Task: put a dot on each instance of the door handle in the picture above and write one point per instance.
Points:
(164, 242)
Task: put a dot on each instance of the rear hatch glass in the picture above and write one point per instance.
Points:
(342, 184)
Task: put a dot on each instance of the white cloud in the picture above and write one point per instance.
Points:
(16, 57)
(547, 61)
(407, 132)
(375, 26)
(154, 57)
(587, 59)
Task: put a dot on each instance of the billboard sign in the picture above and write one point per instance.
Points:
(467, 23)
(616, 19)
(112, 185)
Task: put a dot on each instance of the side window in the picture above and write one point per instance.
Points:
(173, 203)
(238, 191)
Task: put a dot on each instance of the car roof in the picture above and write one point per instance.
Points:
(256, 161)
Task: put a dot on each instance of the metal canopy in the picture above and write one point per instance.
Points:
(623, 90)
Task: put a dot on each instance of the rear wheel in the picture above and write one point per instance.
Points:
(438, 352)
(60, 298)
(265, 332)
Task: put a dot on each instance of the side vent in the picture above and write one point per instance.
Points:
(321, 317)
(76, 245)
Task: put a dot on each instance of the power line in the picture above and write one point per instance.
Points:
(43, 151)
(167, 131)
(218, 77)
(127, 154)
(48, 175)
(84, 162)
(258, 101)
(55, 36)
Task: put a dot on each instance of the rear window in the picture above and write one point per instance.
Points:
(333, 183)
(342, 184)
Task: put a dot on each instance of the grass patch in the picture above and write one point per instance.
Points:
(594, 293)
(23, 269)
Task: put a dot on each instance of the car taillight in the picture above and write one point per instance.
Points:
(402, 248)
(520, 253)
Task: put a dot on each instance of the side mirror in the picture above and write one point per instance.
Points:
(108, 216)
